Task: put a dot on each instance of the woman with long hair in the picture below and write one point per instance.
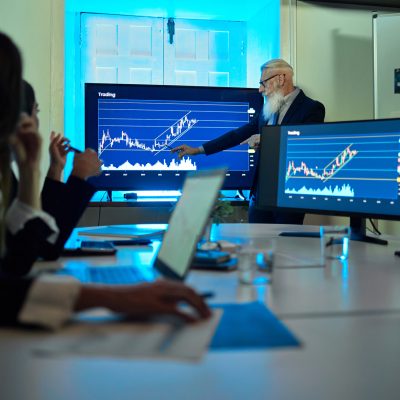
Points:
(48, 300)
(10, 84)
(65, 202)
(19, 138)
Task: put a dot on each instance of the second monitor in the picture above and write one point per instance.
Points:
(344, 168)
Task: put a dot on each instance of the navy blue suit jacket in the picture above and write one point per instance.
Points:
(303, 110)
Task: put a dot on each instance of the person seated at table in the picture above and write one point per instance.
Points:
(67, 201)
(48, 300)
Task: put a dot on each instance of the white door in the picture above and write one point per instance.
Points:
(121, 49)
(205, 53)
(129, 49)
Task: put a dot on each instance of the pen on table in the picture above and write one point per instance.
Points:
(170, 336)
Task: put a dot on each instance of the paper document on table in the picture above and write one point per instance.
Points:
(132, 340)
(123, 232)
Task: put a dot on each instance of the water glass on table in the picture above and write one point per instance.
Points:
(334, 242)
(256, 261)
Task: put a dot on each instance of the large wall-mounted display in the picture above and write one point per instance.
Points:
(134, 127)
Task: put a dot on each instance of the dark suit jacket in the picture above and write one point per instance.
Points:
(66, 203)
(302, 111)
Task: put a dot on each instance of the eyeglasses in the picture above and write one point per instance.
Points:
(265, 81)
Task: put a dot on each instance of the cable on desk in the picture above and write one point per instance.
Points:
(375, 229)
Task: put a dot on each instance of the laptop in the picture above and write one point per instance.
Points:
(185, 228)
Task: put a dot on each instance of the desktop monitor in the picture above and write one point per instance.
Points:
(134, 127)
(341, 168)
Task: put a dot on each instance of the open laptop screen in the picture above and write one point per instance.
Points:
(188, 221)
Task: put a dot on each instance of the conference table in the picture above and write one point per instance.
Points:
(346, 315)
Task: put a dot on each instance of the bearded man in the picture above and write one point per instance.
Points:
(284, 104)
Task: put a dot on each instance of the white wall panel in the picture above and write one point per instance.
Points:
(386, 61)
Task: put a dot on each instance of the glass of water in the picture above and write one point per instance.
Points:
(256, 261)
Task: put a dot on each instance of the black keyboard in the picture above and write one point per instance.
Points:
(110, 275)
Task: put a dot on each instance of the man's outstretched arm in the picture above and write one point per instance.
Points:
(226, 141)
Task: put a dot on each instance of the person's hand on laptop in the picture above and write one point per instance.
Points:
(145, 300)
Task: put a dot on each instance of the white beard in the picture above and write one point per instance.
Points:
(272, 104)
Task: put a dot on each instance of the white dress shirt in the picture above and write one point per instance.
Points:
(50, 300)
(20, 213)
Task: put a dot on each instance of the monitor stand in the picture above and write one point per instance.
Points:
(358, 232)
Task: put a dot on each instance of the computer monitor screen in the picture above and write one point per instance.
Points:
(134, 127)
(344, 168)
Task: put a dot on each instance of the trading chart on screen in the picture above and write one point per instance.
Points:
(349, 164)
(345, 166)
(138, 135)
(134, 127)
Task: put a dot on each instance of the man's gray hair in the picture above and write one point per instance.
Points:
(277, 63)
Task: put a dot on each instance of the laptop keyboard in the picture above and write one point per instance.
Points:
(110, 275)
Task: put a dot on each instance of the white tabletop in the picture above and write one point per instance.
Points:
(346, 316)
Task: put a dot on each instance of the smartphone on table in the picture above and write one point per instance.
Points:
(91, 248)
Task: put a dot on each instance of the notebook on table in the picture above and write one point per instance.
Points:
(179, 244)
